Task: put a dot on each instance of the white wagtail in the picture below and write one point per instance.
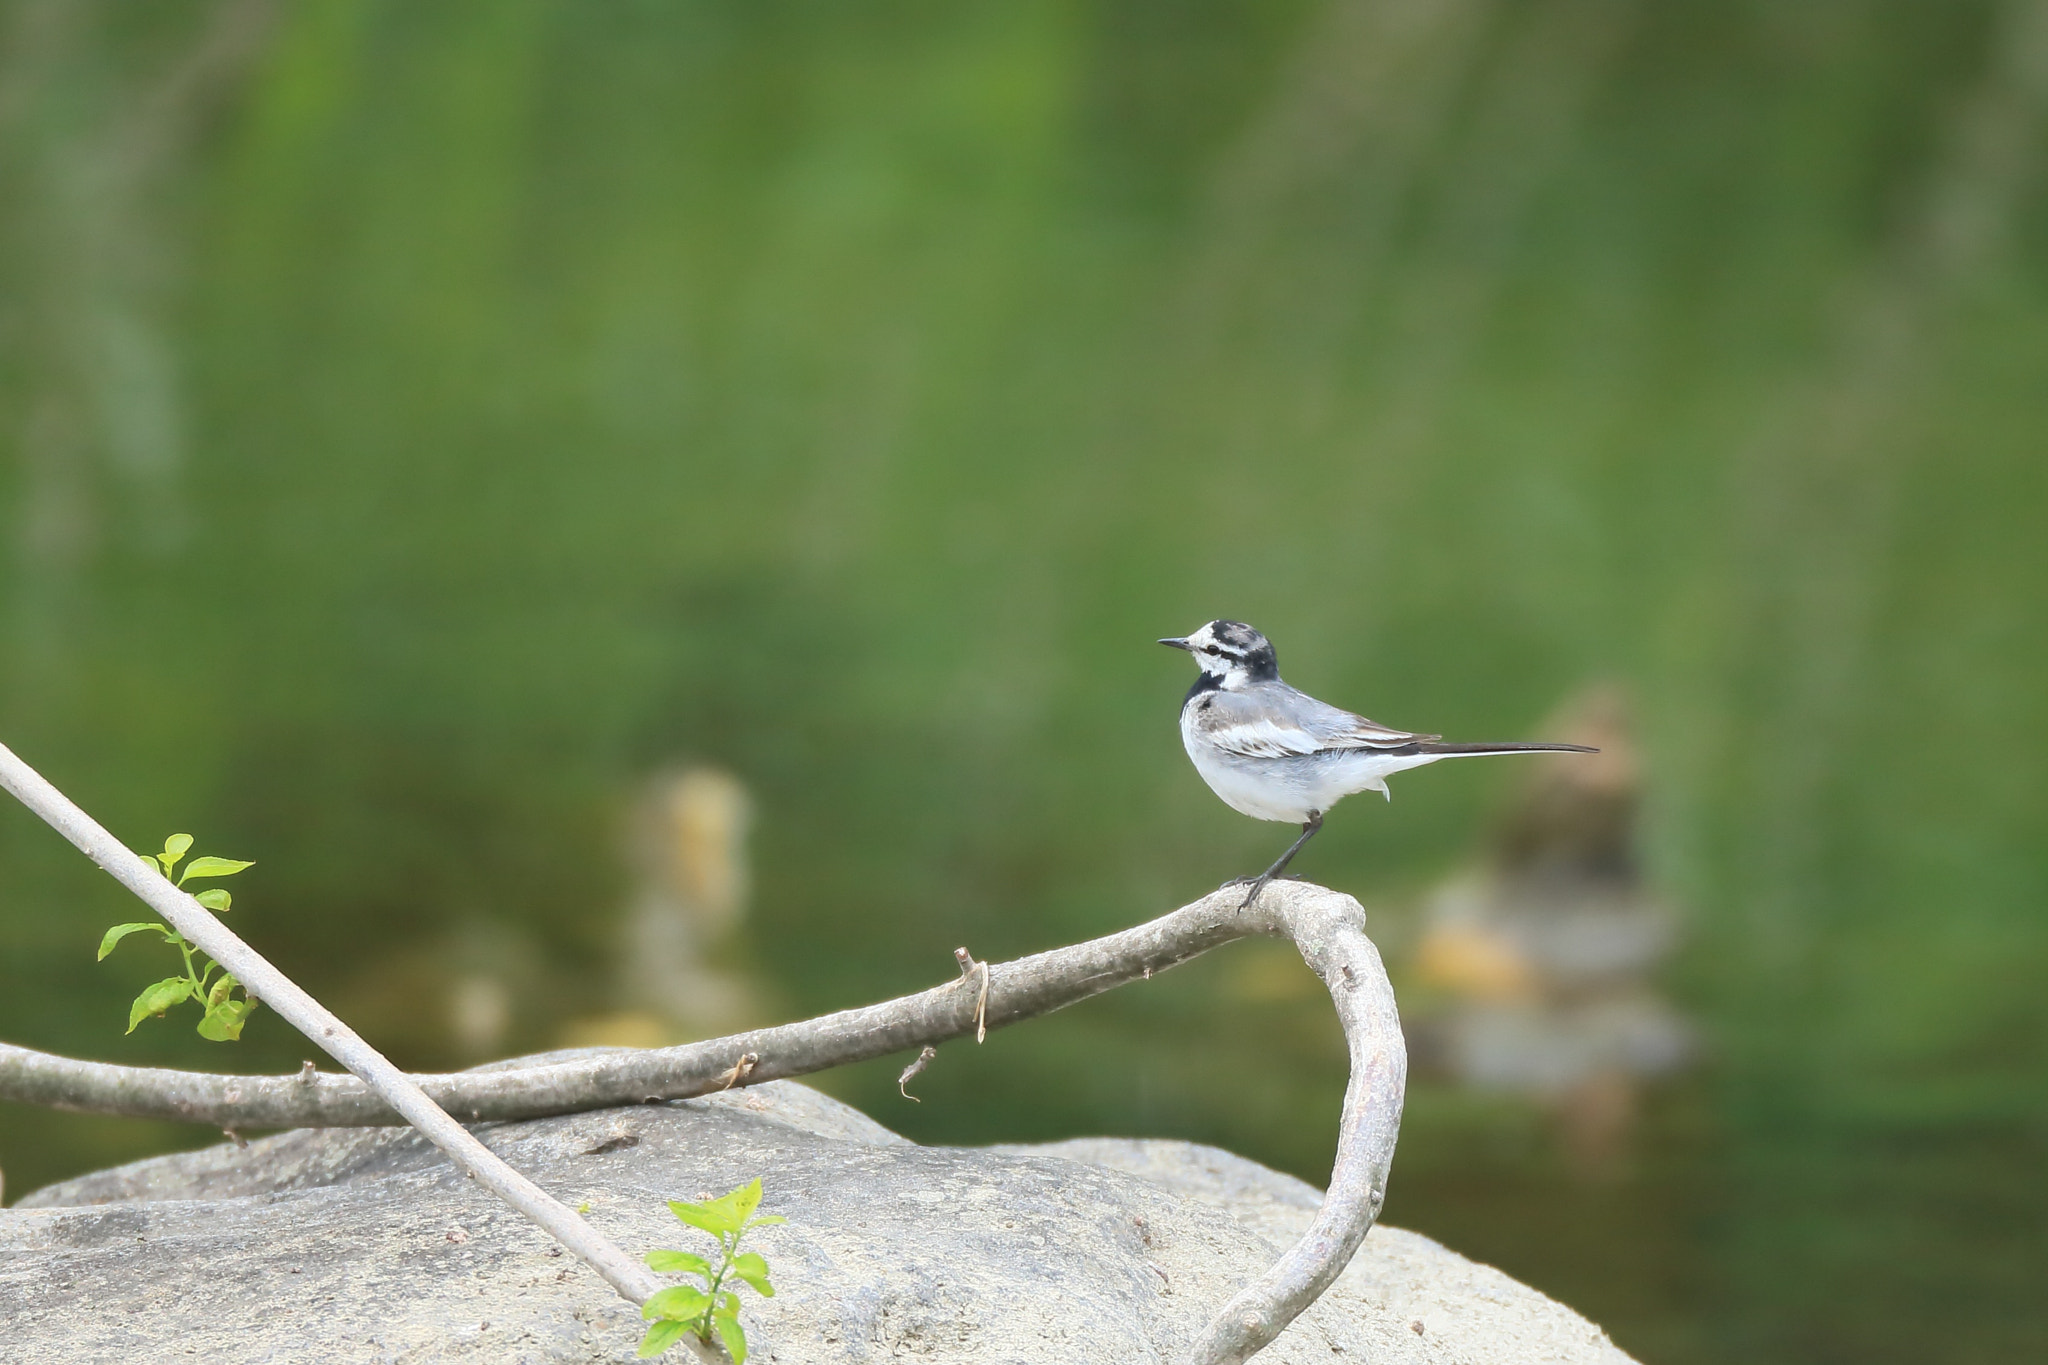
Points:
(1279, 754)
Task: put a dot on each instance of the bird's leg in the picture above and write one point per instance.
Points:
(1259, 883)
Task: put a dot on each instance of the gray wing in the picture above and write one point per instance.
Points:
(1273, 720)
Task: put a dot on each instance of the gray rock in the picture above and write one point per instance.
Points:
(366, 1245)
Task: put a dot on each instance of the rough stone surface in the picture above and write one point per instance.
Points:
(365, 1245)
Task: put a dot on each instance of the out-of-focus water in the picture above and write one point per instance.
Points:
(420, 426)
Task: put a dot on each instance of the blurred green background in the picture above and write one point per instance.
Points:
(420, 423)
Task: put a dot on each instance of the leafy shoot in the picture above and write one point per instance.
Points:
(221, 1014)
(712, 1309)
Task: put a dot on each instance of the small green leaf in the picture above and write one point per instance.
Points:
(749, 1266)
(679, 1301)
(727, 1213)
(583, 1207)
(158, 998)
(767, 1220)
(735, 1340)
(175, 847)
(678, 1263)
(218, 993)
(223, 1022)
(212, 867)
(121, 931)
(713, 1217)
(216, 900)
(660, 1337)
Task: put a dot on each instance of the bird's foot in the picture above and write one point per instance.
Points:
(1257, 885)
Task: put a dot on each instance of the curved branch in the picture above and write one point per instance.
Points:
(1330, 932)
(1328, 928)
(1019, 990)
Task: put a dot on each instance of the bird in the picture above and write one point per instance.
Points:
(1275, 753)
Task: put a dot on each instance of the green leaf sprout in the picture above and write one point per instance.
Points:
(222, 1015)
(712, 1309)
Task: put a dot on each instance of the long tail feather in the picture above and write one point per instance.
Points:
(1461, 750)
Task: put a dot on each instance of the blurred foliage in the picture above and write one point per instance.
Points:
(419, 422)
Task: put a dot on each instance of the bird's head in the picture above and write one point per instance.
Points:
(1232, 652)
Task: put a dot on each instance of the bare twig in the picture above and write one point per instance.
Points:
(1019, 990)
(303, 1012)
(1326, 927)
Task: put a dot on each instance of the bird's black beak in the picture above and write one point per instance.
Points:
(1177, 644)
